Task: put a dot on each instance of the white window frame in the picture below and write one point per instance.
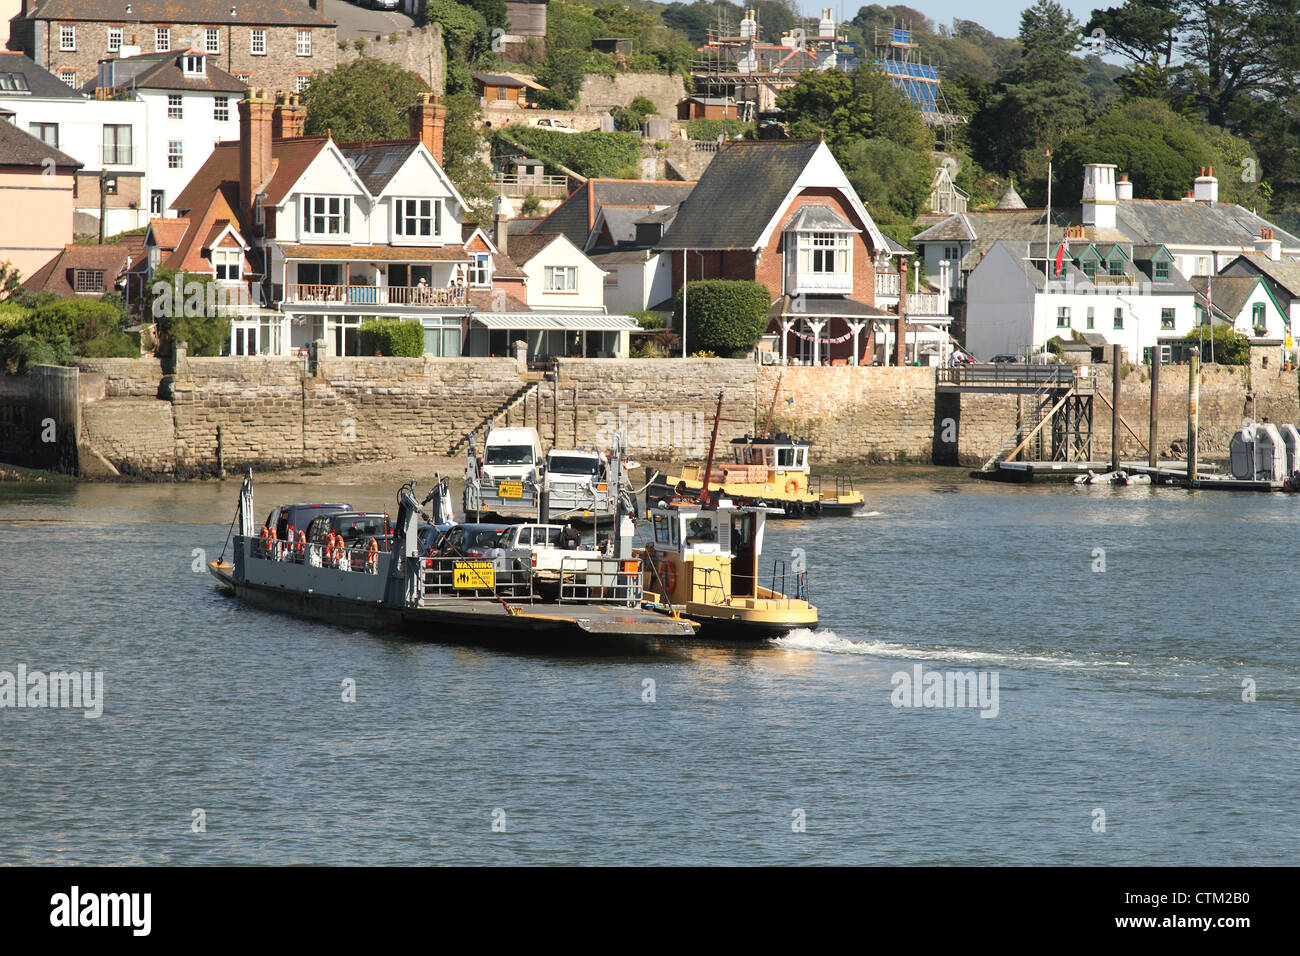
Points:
(1063, 317)
(157, 202)
(227, 261)
(212, 40)
(114, 39)
(300, 82)
(560, 279)
(69, 77)
(326, 211)
(814, 248)
(175, 154)
(257, 42)
(221, 109)
(480, 270)
(162, 39)
(417, 219)
(67, 38)
(195, 65)
(175, 106)
(302, 45)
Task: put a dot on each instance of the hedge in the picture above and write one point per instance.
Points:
(725, 316)
(592, 154)
(392, 337)
(708, 129)
(1229, 347)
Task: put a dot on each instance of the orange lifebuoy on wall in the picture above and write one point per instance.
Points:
(668, 575)
(791, 486)
(372, 556)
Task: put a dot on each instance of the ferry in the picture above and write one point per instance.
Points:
(439, 598)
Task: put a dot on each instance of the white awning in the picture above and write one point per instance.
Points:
(570, 322)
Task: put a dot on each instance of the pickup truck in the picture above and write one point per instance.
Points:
(539, 546)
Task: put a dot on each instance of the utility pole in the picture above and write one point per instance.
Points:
(103, 199)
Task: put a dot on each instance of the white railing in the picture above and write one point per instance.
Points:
(926, 303)
(543, 187)
(887, 283)
(296, 293)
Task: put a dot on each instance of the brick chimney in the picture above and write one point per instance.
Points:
(289, 119)
(1205, 189)
(255, 123)
(428, 120)
(1269, 245)
(502, 211)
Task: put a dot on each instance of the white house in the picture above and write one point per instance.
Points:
(190, 106)
(1132, 296)
(106, 136)
(1247, 303)
(1200, 232)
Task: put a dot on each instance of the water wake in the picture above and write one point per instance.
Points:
(827, 641)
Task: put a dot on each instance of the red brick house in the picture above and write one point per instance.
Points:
(782, 212)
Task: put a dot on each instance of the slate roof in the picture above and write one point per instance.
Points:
(20, 148)
(269, 12)
(504, 267)
(1229, 293)
(40, 81)
(113, 259)
(1010, 200)
(1285, 272)
(162, 71)
(377, 163)
(577, 216)
(820, 218)
(493, 300)
(741, 191)
(1194, 224)
(1030, 258)
(523, 248)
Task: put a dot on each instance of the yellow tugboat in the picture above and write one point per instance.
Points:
(768, 470)
(703, 562)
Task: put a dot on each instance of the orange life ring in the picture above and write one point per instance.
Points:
(668, 575)
(791, 486)
(372, 556)
(329, 549)
(302, 544)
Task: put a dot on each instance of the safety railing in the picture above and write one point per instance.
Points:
(843, 487)
(469, 579)
(782, 577)
(564, 498)
(502, 497)
(360, 559)
(418, 295)
(600, 581)
(707, 586)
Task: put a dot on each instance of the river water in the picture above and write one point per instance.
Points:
(1121, 735)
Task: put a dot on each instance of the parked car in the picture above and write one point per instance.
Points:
(1003, 359)
(512, 454)
(300, 516)
(356, 528)
(470, 541)
(551, 123)
(384, 4)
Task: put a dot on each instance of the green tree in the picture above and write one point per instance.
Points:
(892, 180)
(493, 12)
(10, 280)
(1230, 347)
(362, 100)
(462, 150)
(465, 39)
(724, 316)
(851, 106)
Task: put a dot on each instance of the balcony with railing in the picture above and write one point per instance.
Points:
(926, 303)
(518, 186)
(404, 295)
(887, 284)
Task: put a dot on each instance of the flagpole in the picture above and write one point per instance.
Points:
(1047, 252)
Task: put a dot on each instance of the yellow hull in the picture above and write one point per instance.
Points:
(784, 487)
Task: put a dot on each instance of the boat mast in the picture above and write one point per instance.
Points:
(776, 393)
(713, 441)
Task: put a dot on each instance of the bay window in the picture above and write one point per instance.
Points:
(326, 215)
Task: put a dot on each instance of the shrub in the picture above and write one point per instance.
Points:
(725, 317)
(392, 337)
(188, 315)
(650, 320)
(591, 154)
(1230, 347)
(707, 129)
(111, 345)
(78, 320)
(25, 350)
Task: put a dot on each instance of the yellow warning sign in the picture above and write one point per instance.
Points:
(473, 574)
(511, 489)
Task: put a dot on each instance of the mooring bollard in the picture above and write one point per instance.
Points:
(1193, 410)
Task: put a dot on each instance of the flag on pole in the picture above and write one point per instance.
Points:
(1060, 257)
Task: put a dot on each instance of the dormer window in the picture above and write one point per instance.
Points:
(225, 264)
(480, 273)
(194, 64)
(818, 252)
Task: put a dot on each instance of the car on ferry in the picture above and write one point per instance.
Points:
(300, 516)
(357, 528)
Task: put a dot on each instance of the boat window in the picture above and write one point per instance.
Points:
(785, 457)
(508, 455)
(573, 465)
(665, 531)
(701, 529)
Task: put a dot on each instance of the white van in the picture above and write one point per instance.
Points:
(512, 454)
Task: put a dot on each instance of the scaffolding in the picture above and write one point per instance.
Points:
(898, 57)
(745, 74)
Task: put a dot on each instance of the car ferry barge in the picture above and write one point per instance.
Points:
(438, 598)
